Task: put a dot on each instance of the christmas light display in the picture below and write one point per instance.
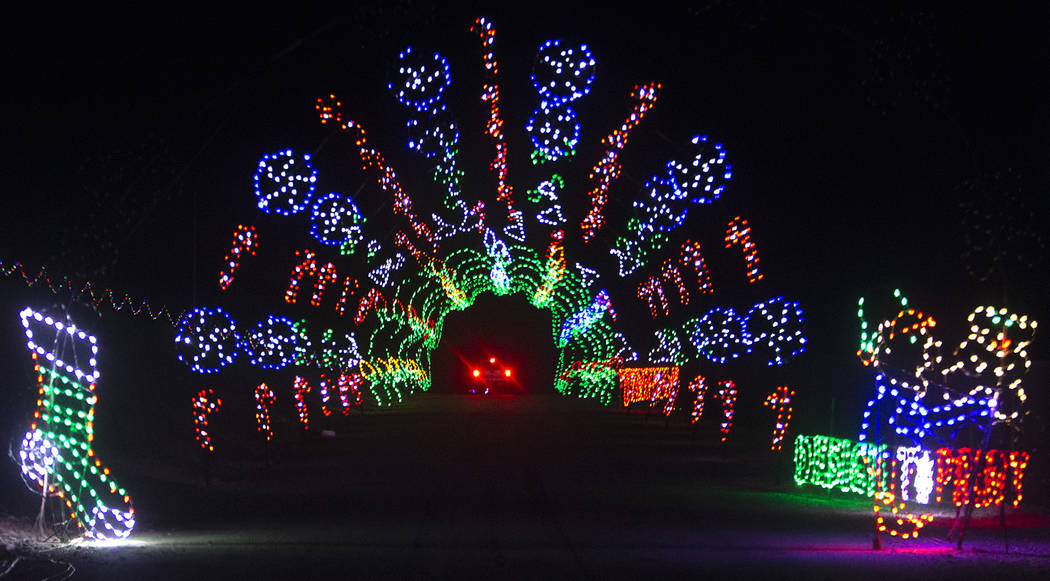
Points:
(647, 384)
(546, 194)
(284, 182)
(264, 398)
(780, 401)
(273, 343)
(690, 255)
(245, 243)
(560, 75)
(913, 420)
(727, 393)
(920, 475)
(87, 292)
(652, 293)
(774, 329)
(300, 389)
(902, 523)
(336, 221)
(739, 233)
(326, 274)
(494, 126)
(57, 450)
(204, 404)
(607, 170)
(719, 335)
(837, 463)
(206, 339)
(401, 286)
(995, 354)
(697, 386)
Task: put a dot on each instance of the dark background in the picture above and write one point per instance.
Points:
(859, 138)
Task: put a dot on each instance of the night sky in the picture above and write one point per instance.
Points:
(858, 136)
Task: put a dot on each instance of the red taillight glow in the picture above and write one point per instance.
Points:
(506, 372)
(492, 359)
(477, 372)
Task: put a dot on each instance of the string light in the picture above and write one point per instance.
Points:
(273, 343)
(774, 328)
(581, 321)
(300, 389)
(245, 243)
(739, 233)
(690, 256)
(607, 170)
(652, 293)
(780, 402)
(284, 182)
(647, 384)
(336, 221)
(837, 463)
(204, 404)
(56, 451)
(206, 339)
(87, 293)
(548, 191)
(995, 354)
(727, 392)
(719, 335)
(907, 525)
(325, 274)
(264, 398)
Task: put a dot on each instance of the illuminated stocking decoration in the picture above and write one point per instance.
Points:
(607, 170)
(206, 339)
(204, 404)
(774, 329)
(56, 452)
(652, 293)
(691, 256)
(719, 335)
(699, 387)
(336, 221)
(780, 402)
(264, 398)
(284, 182)
(738, 232)
(727, 392)
(300, 389)
(325, 274)
(245, 243)
(904, 524)
(272, 343)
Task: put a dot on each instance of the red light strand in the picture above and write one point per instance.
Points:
(607, 170)
(245, 243)
(204, 404)
(780, 401)
(738, 232)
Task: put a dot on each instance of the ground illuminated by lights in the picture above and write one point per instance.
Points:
(522, 487)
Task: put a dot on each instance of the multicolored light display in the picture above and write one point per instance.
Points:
(245, 243)
(264, 398)
(204, 404)
(284, 182)
(57, 450)
(780, 402)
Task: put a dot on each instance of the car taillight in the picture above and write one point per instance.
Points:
(477, 372)
(506, 372)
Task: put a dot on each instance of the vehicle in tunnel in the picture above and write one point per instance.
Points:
(492, 377)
